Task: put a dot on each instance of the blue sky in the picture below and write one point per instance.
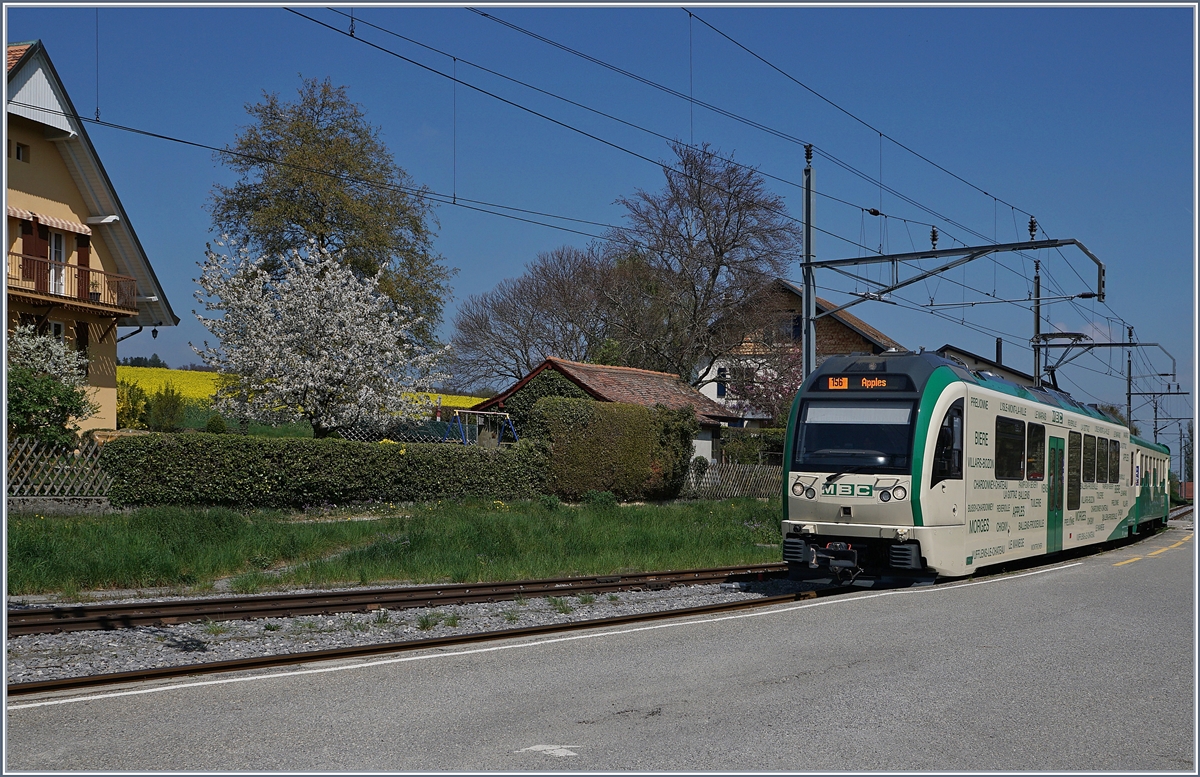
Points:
(1083, 117)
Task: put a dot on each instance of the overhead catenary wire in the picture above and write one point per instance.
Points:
(749, 122)
(691, 99)
(866, 124)
(506, 101)
(617, 119)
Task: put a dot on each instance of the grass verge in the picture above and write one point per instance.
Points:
(456, 542)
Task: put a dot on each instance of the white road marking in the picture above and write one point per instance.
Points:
(555, 750)
(778, 610)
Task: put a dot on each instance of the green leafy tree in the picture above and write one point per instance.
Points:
(47, 388)
(142, 361)
(316, 172)
(1188, 452)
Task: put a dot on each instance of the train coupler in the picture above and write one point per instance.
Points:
(838, 557)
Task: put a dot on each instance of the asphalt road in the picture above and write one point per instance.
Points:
(1088, 665)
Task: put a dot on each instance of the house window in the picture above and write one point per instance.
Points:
(57, 330)
(722, 377)
(22, 152)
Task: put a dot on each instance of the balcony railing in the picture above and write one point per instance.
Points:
(72, 282)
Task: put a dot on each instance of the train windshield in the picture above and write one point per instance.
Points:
(847, 436)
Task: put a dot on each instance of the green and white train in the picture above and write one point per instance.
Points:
(913, 465)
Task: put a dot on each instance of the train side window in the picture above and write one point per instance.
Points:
(1101, 460)
(1114, 461)
(1035, 458)
(1089, 458)
(1074, 468)
(948, 453)
(1010, 449)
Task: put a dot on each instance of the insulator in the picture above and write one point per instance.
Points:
(933, 236)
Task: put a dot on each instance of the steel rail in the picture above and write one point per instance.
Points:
(288, 659)
(46, 620)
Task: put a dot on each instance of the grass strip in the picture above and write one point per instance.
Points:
(440, 542)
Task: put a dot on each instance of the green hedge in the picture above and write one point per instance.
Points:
(547, 383)
(752, 446)
(632, 451)
(244, 471)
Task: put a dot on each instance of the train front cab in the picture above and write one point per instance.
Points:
(858, 450)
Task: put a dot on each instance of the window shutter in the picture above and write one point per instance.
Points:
(28, 246)
(41, 250)
(83, 250)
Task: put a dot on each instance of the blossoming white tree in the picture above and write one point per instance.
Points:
(314, 342)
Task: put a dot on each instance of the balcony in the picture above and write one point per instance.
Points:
(49, 281)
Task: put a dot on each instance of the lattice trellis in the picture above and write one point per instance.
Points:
(38, 469)
(726, 481)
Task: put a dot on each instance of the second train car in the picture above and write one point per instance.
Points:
(906, 464)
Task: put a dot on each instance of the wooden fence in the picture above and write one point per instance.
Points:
(39, 470)
(726, 481)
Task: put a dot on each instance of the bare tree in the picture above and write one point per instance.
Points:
(556, 308)
(690, 260)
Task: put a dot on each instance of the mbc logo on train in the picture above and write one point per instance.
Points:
(846, 489)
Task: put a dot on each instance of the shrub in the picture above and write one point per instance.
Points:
(752, 446)
(215, 425)
(131, 405)
(634, 452)
(520, 406)
(43, 407)
(600, 499)
(244, 471)
(164, 409)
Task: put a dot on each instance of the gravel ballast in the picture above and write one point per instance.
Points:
(37, 657)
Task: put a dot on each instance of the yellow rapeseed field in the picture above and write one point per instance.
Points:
(193, 384)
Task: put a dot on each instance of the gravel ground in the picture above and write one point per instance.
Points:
(80, 653)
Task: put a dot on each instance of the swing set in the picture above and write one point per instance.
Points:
(492, 423)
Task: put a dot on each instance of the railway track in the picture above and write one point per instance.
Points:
(49, 620)
(362, 651)
(122, 616)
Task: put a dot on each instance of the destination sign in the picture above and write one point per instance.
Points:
(866, 382)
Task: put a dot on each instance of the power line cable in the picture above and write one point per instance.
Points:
(606, 115)
(742, 119)
(564, 125)
(817, 94)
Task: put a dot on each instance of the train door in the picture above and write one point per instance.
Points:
(1055, 468)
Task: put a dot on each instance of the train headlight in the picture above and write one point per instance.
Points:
(810, 494)
(899, 492)
(885, 496)
(798, 488)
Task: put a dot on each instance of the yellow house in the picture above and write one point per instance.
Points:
(75, 266)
